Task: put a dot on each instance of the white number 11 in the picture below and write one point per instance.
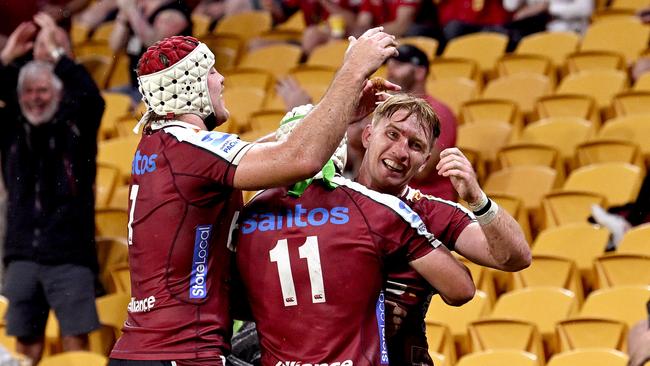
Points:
(280, 255)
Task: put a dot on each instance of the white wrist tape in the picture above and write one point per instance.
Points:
(478, 206)
(488, 213)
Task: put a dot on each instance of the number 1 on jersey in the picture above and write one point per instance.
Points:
(309, 251)
(133, 196)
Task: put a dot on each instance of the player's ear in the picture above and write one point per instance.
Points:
(365, 135)
(424, 164)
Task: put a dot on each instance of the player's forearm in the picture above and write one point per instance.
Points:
(322, 130)
(506, 243)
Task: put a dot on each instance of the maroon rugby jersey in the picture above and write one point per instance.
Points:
(446, 220)
(182, 207)
(313, 271)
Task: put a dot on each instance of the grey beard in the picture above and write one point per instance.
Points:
(46, 116)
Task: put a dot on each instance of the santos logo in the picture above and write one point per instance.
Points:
(300, 363)
(198, 286)
(300, 217)
(143, 163)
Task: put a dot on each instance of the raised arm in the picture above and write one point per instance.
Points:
(447, 275)
(496, 240)
(312, 143)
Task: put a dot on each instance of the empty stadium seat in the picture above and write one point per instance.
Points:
(636, 241)
(499, 358)
(589, 357)
(498, 334)
(578, 333)
(554, 45)
(566, 207)
(622, 303)
(485, 48)
(622, 269)
(619, 183)
(550, 270)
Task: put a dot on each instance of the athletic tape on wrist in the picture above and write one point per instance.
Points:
(482, 203)
(488, 213)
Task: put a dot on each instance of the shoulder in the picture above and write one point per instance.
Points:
(224, 145)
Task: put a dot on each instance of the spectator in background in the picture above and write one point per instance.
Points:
(410, 70)
(13, 13)
(399, 17)
(531, 16)
(97, 13)
(48, 147)
(639, 342)
(326, 20)
(140, 24)
(460, 17)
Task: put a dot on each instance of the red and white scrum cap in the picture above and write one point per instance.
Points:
(173, 77)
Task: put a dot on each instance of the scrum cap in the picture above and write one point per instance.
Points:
(173, 77)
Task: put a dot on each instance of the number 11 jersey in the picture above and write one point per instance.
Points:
(312, 268)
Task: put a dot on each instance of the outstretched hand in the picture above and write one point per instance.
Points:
(50, 38)
(19, 42)
(368, 52)
(373, 93)
(454, 164)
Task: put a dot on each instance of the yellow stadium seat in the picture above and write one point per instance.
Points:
(454, 67)
(549, 270)
(627, 36)
(7, 341)
(566, 207)
(452, 91)
(578, 333)
(119, 152)
(554, 45)
(112, 312)
(561, 133)
(642, 83)
(119, 74)
(227, 49)
(580, 242)
(622, 303)
(242, 102)
(78, 32)
(634, 128)
(438, 359)
(594, 60)
(428, 45)
(522, 88)
(543, 306)
(499, 334)
(636, 241)
(120, 198)
(618, 182)
(487, 138)
(632, 102)
(117, 106)
(329, 55)
(75, 358)
(121, 277)
(482, 276)
(622, 269)
(111, 251)
(313, 75)
(630, 4)
(502, 110)
(111, 222)
(440, 341)
(245, 25)
(295, 23)
(568, 105)
(457, 318)
(530, 154)
(529, 183)
(248, 78)
(534, 64)
(200, 25)
(601, 85)
(105, 181)
(589, 357)
(485, 48)
(277, 59)
(266, 121)
(499, 358)
(604, 150)
(98, 66)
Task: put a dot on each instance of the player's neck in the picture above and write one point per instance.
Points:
(192, 119)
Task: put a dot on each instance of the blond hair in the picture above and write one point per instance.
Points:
(418, 107)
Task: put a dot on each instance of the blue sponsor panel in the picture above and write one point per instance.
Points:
(198, 286)
(298, 217)
(380, 312)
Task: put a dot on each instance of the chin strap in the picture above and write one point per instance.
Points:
(326, 175)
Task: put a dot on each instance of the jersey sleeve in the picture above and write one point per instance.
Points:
(206, 154)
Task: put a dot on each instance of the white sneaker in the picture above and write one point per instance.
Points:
(616, 225)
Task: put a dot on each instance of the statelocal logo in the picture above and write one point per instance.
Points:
(299, 217)
(198, 286)
(300, 363)
(143, 163)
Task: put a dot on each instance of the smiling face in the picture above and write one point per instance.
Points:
(38, 98)
(215, 88)
(397, 147)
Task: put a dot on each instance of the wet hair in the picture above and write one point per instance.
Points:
(418, 107)
(36, 68)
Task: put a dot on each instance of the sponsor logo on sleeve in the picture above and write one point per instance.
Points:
(142, 305)
(198, 286)
(380, 312)
(300, 363)
(298, 217)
